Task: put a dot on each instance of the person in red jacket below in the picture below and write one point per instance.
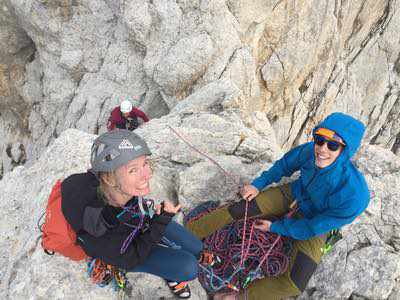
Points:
(125, 116)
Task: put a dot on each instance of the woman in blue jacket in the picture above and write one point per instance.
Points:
(329, 194)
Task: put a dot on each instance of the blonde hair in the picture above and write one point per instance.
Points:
(108, 180)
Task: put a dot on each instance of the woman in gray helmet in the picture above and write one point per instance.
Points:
(100, 206)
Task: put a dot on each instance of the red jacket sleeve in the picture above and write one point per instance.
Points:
(113, 119)
(140, 114)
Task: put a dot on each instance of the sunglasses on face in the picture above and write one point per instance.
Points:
(321, 140)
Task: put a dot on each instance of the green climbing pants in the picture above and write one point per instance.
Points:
(305, 257)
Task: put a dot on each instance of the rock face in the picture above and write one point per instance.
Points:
(16, 51)
(67, 63)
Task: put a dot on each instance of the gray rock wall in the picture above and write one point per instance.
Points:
(295, 60)
(16, 50)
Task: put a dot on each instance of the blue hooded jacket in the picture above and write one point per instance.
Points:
(328, 197)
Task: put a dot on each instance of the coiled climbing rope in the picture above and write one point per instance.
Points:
(246, 253)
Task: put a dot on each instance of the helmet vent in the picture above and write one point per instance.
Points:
(116, 148)
(112, 155)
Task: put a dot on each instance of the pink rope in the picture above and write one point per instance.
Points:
(244, 234)
(218, 241)
(234, 178)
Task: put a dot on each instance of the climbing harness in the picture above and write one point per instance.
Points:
(143, 207)
(103, 274)
(131, 123)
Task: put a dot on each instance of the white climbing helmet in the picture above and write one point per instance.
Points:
(126, 106)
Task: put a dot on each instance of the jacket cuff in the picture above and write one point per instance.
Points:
(258, 184)
(163, 218)
(276, 227)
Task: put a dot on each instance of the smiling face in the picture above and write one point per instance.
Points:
(325, 157)
(134, 177)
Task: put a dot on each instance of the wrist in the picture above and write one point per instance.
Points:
(272, 227)
(256, 185)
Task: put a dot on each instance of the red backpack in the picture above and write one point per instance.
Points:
(57, 234)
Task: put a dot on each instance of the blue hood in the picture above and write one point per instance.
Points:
(349, 129)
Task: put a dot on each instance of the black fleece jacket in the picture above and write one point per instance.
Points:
(84, 211)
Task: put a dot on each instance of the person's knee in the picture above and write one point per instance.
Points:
(302, 270)
(197, 247)
(189, 269)
(273, 288)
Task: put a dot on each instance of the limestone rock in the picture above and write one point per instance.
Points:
(73, 61)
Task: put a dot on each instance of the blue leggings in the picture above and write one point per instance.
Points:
(177, 261)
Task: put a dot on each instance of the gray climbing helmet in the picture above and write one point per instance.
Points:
(116, 148)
